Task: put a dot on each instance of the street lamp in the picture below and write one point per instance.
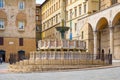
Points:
(71, 13)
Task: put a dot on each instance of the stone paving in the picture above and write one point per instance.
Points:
(3, 68)
(94, 74)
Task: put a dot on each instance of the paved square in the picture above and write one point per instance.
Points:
(98, 74)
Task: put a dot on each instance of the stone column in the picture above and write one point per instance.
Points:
(62, 6)
(95, 42)
(111, 41)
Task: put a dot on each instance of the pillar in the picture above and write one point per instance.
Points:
(111, 41)
(95, 42)
(62, 5)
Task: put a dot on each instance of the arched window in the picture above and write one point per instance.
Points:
(21, 5)
(1, 3)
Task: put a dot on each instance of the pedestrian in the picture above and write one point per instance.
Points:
(1, 60)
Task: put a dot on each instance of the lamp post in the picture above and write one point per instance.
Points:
(71, 13)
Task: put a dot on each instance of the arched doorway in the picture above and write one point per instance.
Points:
(103, 39)
(116, 32)
(21, 55)
(2, 54)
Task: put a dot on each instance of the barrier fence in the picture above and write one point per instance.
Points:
(66, 58)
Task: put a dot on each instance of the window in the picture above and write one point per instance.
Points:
(20, 41)
(54, 7)
(2, 24)
(1, 40)
(85, 8)
(52, 21)
(75, 11)
(66, 15)
(21, 5)
(71, 13)
(79, 9)
(1, 3)
(56, 18)
(57, 5)
(75, 26)
(21, 25)
(82, 35)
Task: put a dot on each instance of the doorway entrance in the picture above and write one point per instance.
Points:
(2, 54)
(21, 55)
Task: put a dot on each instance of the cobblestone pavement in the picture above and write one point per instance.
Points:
(97, 74)
(3, 68)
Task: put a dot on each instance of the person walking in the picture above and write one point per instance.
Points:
(1, 60)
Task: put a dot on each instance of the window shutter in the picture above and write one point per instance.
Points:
(20, 41)
(1, 40)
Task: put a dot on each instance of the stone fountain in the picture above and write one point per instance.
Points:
(62, 29)
(55, 54)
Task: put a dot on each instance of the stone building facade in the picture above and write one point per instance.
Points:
(17, 27)
(102, 30)
(93, 21)
(73, 10)
(107, 3)
(50, 18)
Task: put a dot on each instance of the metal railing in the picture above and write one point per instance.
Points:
(14, 57)
(71, 58)
(66, 59)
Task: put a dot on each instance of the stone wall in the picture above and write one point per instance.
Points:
(11, 45)
(11, 34)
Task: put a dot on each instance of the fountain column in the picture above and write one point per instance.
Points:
(62, 28)
(63, 10)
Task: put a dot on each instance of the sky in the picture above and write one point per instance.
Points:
(39, 1)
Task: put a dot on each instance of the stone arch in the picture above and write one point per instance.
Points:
(103, 38)
(3, 16)
(116, 19)
(21, 17)
(102, 22)
(116, 33)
